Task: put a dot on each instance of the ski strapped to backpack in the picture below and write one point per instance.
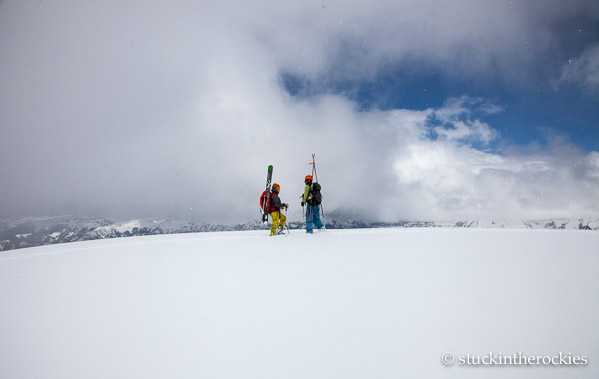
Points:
(315, 197)
(265, 198)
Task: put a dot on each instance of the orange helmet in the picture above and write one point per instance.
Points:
(308, 177)
(276, 187)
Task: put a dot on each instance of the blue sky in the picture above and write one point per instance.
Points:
(451, 109)
(526, 112)
(540, 99)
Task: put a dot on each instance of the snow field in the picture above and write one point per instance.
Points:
(372, 303)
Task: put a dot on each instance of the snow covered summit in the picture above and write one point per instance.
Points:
(373, 303)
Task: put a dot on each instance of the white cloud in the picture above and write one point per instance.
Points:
(176, 109)
(456, 124)
(467, 130)
(451, 180)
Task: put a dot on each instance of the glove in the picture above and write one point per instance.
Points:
(302, 203)
(285, 205)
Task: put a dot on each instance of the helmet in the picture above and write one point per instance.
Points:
(276, 187)
(308, 177)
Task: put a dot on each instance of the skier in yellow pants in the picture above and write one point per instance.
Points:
(278, 222)
(275, 205)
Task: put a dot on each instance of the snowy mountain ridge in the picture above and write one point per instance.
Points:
(37, 231)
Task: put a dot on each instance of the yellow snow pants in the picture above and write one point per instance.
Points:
(278, 219)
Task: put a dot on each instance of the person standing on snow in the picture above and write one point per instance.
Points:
(312, 199)
(275, 205)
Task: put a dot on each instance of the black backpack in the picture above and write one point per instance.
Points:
(315, 197)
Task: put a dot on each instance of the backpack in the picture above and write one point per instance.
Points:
(262, 199)
(266, 203)
(315, 197)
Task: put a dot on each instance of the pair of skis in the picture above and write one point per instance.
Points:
(315, 180)
(266, 202)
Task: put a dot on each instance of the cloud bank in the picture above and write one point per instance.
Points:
(153, 109)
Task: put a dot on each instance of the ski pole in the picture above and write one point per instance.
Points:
(287, 220)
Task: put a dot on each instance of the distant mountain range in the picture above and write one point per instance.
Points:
(37, 231)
